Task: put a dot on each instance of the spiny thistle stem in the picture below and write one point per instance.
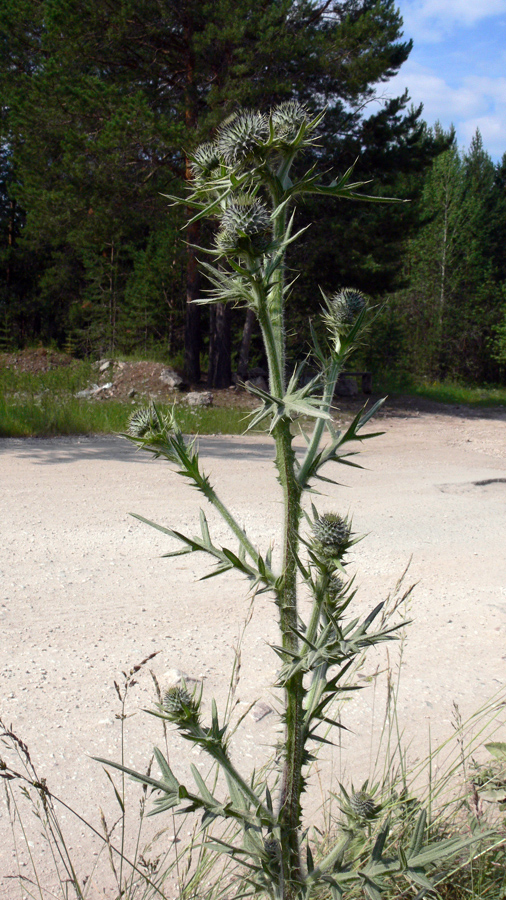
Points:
(277, 311)
(291, 786)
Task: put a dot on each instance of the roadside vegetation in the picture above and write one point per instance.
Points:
(449, 392)
(43, 403)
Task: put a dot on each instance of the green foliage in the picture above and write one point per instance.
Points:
(44, 404)
(446, 322)
(98, 103)
(452, 392)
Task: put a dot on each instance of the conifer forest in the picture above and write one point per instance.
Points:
(102, 106)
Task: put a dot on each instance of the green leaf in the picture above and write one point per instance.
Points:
(116, 792)
(418, 834)
(497, 749)
(207, 797)
(380, 841)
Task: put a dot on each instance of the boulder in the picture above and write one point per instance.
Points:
(171, 378)
(347, 386)
(199, 398)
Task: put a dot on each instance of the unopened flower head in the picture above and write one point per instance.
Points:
(205, 161)
(287, 119)
(346, 305)
(144, 421)
(331, 531)
(240, 138)
(335, 587)
(362, 804)
(180, 705)
(245, 217)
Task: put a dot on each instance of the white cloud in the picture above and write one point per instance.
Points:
(472, 102)
(492, 130)
(429, 21)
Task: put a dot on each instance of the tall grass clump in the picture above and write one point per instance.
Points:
(247, 184)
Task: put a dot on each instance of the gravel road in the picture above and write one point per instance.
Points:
(85, 596)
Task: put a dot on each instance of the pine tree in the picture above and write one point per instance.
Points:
(106, 105)
(452, 301)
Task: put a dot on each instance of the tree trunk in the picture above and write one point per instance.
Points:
(192, 320)
(242, 368)
(220, 371)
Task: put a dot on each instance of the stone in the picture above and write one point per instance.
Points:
(88, 392)
(347, 386)
(199, 398)
(94, 390)
(260, 711)
(171, 378)
(173, 677)
(258, 381)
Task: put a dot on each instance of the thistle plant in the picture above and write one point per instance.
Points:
(245, 181)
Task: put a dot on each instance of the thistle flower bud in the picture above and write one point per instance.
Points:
(144, 421)
(335, 587)
(362, 804)
(332, 531)
(287, 119)
(180, 706)
(206, 160)
(245, 215)
(346, 305)
(271, 847)
(240, 138)
(243, 218)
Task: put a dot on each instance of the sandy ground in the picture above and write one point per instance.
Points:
(85, 597)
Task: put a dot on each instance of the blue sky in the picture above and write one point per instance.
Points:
(457, 67)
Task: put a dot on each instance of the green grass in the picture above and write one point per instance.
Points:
(44, 405)
(443, 391)
(54, 416)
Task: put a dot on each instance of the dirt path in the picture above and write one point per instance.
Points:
(85, 595)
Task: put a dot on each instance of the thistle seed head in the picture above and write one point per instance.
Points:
(180, 705)
(144, 421)
(332, 531)
(205, 160)
(362, 804)
(287, 119)
(240, 138)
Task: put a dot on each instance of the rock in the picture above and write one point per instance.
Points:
(346, 386)
(258, 381)
(103, 388)
(103, 365)
(171, 378)
(173, 677)
(260, 711)
(199, 398)
(88, 392)
(94, 390)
